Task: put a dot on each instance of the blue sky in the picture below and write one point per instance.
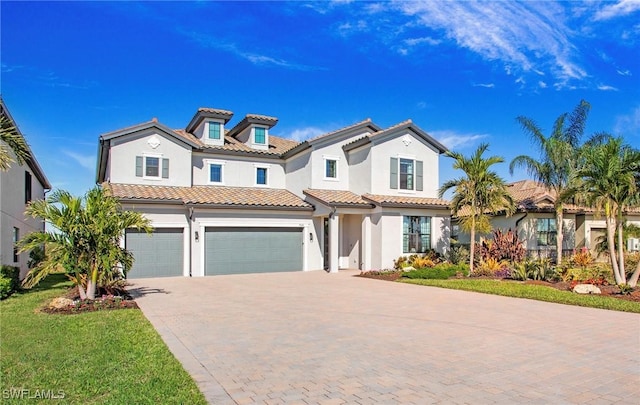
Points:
(462, 71)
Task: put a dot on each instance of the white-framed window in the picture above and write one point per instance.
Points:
(216, 171)
(215, 131)
(416, 234)
(152, 166)
(330, 167)
(546, 231)
(262, 175)
(406, 174)
(260, 136)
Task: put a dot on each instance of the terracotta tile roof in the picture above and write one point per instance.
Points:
(531, 196)
(215, 111)
(337, 197)
(400, 201)
(277, 145)
(210, 195)
(357, 124)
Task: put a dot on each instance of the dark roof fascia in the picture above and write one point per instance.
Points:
(356, 144)
(413, 127)
(256, 153)
(201, 115)
(413, 205)
(247, 206)
(250, 119)
(299, 148)
(32, 162)
(340, 205)
(143, 127)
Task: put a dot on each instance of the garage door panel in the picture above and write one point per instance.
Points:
(252, 250)
(157, 255)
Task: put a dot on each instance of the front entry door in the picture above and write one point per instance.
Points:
(326, 243)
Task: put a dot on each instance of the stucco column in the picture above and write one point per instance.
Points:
(334, 254)
(366, 243)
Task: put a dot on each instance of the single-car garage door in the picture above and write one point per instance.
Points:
(252, 250)
(157, 255)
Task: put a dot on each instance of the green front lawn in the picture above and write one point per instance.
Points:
(90, 358)
(535, 292)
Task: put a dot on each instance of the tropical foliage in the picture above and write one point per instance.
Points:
(559, 158)
(478, 194)
(610, 178)
(12, 143)
(86, 240)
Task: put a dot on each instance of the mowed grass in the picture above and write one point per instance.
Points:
(534, 292)
(100, 357)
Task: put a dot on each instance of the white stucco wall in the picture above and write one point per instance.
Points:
(417, 149)
(12, 207)
(298, 172)
(361, 175)
(330, 151)
(122, 159)
(238, 171)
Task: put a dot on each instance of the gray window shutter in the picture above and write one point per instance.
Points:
(394, 173)
(165, 168)
(419, 186)
(138, 166)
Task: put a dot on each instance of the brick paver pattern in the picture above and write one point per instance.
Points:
(318, 338)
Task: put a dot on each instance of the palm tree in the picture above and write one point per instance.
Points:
(86, 243)
(610, 184)
(558, 159)
(480, 193)
(12, 141)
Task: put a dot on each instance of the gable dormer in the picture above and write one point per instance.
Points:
(253, 131)
(208, 125)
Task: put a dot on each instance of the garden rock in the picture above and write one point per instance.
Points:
(410, 268)
(61, 302)
(586, 289)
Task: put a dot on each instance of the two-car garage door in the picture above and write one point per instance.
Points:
(252, 250)
(228, 250)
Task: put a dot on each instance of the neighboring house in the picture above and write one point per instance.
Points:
(18, 186)
(237, 199)
(535, 221)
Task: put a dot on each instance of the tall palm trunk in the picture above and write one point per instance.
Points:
(559, 233)
(633, 280)
(623, 273)
(472, 248)
(92, 282)
(611, 229)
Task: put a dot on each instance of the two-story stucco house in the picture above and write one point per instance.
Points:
(227, 199)
(535, 222)
(19, 185)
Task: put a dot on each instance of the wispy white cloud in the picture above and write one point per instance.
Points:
(86, 161)
(486, 85)
(524, 36)
(619, 9)
(542, 84)
(255, 58)
(305, 133)
(628, 124)
(422, 41)
(623, 72)
(605, 87)
(453, 139)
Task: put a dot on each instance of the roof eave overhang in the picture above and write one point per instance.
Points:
(248, 206)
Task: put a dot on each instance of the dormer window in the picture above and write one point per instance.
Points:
(214, 130)
(260, 136)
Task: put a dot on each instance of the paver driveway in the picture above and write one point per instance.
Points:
(333, 338)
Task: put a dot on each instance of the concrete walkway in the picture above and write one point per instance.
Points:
(307, 338)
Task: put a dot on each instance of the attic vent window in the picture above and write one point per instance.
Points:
(154, 142)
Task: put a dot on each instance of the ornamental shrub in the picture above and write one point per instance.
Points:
(9, 280)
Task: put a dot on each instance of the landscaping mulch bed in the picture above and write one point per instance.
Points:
(70, 302)
(607, 290)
